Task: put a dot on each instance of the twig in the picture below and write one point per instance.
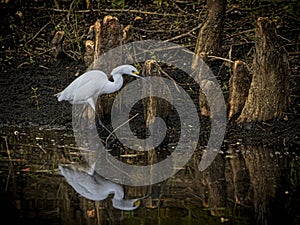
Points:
(39, 32)
(265, 123)
(10, 162)
(127, 121)
(217, 57)
(7, 149)
(119, 10)
(41, 148)
(36, 97)
(184, 34)
(260, 127)
(149, 31)
(69, 11)
(293, 54)
(181, 10)
(284, 38)
(143, 12)
(290, 17)
(239, 33)
(22, 64)
(97, 206)
(168, 76)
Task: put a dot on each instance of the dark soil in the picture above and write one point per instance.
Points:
(30, 76)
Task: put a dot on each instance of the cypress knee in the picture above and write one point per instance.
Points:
(268, 96)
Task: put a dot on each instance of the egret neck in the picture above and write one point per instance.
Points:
(113, 86)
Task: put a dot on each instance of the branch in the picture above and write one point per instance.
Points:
(184, 34)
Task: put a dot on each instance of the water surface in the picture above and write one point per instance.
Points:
(246, 184)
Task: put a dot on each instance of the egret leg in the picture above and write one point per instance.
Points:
(91, 169)
(91, 102)
(100, 122)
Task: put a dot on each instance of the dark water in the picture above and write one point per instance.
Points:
(246, 184)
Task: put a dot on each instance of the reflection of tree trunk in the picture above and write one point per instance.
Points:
(264, 177)
(239, 177)
(268, 94)
(153, 107)
(212, 191)
(209, 38)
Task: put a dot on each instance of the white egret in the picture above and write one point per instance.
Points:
(96, 188)
(90, 85)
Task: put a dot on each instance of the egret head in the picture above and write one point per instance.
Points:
(126, 69)
(97, 188)
(130, 204)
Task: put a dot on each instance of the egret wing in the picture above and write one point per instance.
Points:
(84, 87)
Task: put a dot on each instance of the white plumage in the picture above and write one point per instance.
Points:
(90, 85)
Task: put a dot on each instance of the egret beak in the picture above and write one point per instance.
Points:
(137, 203)
(137, 74)
(126, 204)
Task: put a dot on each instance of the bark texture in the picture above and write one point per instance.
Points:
(154, 107)
(56, 44)
(210, 35)
(102, 37)
(209, 42)
(239, 87)
(268, 94)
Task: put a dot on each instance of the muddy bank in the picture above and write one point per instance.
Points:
(30, 76)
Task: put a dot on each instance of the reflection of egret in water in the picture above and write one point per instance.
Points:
(92, 186)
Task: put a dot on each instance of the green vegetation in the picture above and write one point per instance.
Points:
(36, 96)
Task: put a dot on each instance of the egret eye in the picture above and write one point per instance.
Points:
(135, 72)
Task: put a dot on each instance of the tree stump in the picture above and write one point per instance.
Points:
(210, 88)
(105, 36)
(209, 41)
(204, 107)
(56, 44)
(268, 94)
(88, 57)
(239, 85)
(210, 34)
(154, 106)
